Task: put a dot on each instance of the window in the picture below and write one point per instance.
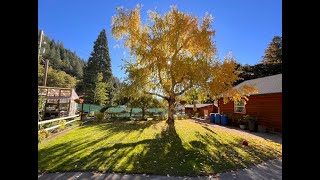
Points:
(53, 92)
(65, 93)
(64, 101)
(55, 101)
(64, 107)
(239, 107)
(51, 108)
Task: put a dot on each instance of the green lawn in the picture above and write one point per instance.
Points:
(152, 147)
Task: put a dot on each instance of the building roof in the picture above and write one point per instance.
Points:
(74, 95)
(265, 85)
(198, 105)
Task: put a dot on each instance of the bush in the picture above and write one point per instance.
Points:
(181, 116)
(42, 135)
(62, 123)
(243, 120)
(99, 116)
(125, 118)
(163, 116)
(185, 116)
(235, 118)
(250, 118)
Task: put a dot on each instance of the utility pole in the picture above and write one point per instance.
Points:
(46, 65)
(40, 42)
(46, 62)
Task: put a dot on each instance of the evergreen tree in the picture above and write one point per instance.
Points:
(88, 83)
(273, 53)
(100, 94)
(112, 89)
(248, 72)
(99, 61)
(61, 58)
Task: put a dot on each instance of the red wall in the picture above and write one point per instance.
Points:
(210, 108)
(267, 108)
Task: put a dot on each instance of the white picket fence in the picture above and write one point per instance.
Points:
(57, 119)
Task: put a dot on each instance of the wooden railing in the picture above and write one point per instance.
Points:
(57, 119)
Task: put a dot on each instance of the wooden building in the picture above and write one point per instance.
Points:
(59, 102)
(266, 104)
(202, 109)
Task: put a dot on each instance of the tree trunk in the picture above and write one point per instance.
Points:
(143, 113)
(171, 103)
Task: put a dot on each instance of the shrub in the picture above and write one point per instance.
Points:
(249, 118)
(126, 118)
(107, 115)
(185, 116)
(99, 116)
(42, 135)
(181, 116)
(163, 116)
(91, 114)
(243, 121)
(235, 119)
(55, 130)
(62, 123)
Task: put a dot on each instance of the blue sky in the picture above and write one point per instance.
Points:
(243, 27)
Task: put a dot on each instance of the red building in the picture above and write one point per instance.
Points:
(202, 109)
(266, 104)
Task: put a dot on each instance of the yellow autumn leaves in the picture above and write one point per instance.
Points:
(180, 39)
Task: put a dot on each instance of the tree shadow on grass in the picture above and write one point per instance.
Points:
(233, 155)
(58, 155)
(273, 137)
(123, 126)
(208, 129)
(162, 155)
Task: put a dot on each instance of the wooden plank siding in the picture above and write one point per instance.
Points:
(203, 110)
(266, 107)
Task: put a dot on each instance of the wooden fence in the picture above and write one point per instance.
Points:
(57, 119)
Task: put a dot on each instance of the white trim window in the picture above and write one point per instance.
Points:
(239, 107)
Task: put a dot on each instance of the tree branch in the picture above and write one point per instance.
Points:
(162, 96)
(184, 90)
(180, 80)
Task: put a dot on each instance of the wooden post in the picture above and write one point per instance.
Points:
(81, 117)
(41, 34)
(45, 72)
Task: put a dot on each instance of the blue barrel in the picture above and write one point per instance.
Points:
(217, 118)
(224, 120)
(212, 117)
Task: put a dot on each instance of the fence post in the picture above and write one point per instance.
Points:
(81, 112)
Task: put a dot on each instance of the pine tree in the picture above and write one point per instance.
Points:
(61, 58)
(88, 84)
(273, 53)
(98, 62)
